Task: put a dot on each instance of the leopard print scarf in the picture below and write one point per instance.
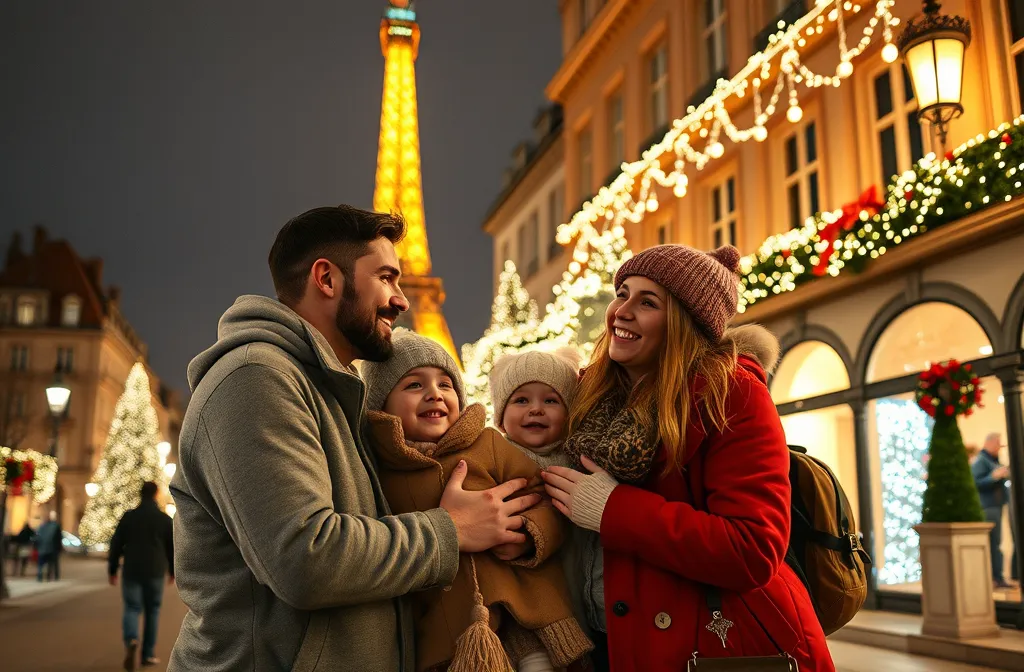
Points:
(615, 441)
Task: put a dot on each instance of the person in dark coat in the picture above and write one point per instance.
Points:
(144, 538)
(50, 544)
(685, 477)
(992, 480)
(22, 544)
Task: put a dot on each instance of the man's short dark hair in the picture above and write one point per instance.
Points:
(341, 234)
(148, 490)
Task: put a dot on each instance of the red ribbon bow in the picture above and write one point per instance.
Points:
(868, 202)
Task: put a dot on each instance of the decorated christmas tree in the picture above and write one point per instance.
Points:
(946, 391)
(130, 458)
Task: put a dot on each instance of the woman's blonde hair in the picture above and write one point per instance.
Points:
(664, 397)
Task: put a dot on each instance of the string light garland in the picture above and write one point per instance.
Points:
(44, 480)
(130, 458)
(985, 170)
(615, 204)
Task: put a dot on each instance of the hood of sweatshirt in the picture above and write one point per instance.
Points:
(259, 319)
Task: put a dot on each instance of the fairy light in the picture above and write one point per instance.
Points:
(628, 197)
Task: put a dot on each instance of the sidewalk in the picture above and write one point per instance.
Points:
(75, 625)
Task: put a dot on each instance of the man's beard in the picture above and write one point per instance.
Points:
(359, 327)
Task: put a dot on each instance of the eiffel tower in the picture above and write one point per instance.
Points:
(399, 186)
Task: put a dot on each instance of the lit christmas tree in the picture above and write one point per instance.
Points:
(903, 431)
(130, 458)
(512, 305)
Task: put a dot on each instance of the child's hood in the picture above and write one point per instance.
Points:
(388, 439)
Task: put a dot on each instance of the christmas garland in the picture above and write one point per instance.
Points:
(949, 389)
(28, 471)
(982, 172)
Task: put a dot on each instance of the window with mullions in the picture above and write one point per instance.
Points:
(714, 37)
(658, 82)
(898, 134)
(723, 213)
(1015, 9)
(803, 197)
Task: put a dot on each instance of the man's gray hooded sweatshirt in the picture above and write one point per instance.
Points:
(285, 551)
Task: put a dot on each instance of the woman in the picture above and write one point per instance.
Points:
(688, 485)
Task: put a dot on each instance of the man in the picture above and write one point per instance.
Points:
(144, 537)
(287, 556)
(991, 479)
(22, 545)
(49, 546)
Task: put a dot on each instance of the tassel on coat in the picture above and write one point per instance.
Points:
(478, 649)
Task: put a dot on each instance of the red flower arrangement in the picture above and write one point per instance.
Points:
(948, 389)
(18, 474)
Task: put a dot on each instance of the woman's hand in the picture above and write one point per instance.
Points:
(580, 497)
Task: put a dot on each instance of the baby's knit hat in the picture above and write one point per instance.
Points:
(704, 282)
(558, 368)
(411, 351)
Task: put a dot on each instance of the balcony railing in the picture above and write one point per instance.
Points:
(706, 89)
(789, 15)
(654, 137)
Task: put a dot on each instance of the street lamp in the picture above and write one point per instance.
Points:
(92, 489)
(933, 48)
(170, 468)
(57, 397)
(164, 449)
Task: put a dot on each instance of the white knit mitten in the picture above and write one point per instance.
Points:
(537, 661)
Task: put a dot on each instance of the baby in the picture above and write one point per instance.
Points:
(420, 430)
(531, 393)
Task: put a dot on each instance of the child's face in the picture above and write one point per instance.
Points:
(534, 416)
(426, 402)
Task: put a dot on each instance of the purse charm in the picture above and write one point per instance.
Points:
(720, 626)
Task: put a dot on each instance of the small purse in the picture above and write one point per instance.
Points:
(782, 662)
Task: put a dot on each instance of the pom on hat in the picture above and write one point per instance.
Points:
(728, 256)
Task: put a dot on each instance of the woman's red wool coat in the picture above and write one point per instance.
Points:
(659, 548)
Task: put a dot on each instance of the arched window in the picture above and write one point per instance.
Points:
(71, 311)
(809, 369)
(922, 335)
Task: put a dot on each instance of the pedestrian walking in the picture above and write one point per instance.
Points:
(49, 545)
(22, 545)
(144, 539)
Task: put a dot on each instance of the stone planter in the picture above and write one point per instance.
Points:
(956, 590)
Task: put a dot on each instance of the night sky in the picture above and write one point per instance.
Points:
(175, 138)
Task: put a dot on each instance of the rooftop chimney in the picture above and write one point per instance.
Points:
(39, 238)
(14, 251)
(94, 269)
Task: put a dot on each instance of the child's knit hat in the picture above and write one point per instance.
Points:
(411, 351)
(559, 368)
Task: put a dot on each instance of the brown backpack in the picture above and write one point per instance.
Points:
(824, 547)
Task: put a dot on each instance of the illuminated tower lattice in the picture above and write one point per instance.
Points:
(399, 185)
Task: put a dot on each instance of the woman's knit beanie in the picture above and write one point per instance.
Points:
(704, 282)
(559, 368)
(410, 351)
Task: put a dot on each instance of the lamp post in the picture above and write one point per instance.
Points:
(933, 48)
(57, 397)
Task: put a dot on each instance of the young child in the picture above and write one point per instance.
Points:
(420, 430)
(531, 393)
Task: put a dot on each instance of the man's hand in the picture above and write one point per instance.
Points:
(483, 519)
(113, 580)
(1001, 473)
(509, 552)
